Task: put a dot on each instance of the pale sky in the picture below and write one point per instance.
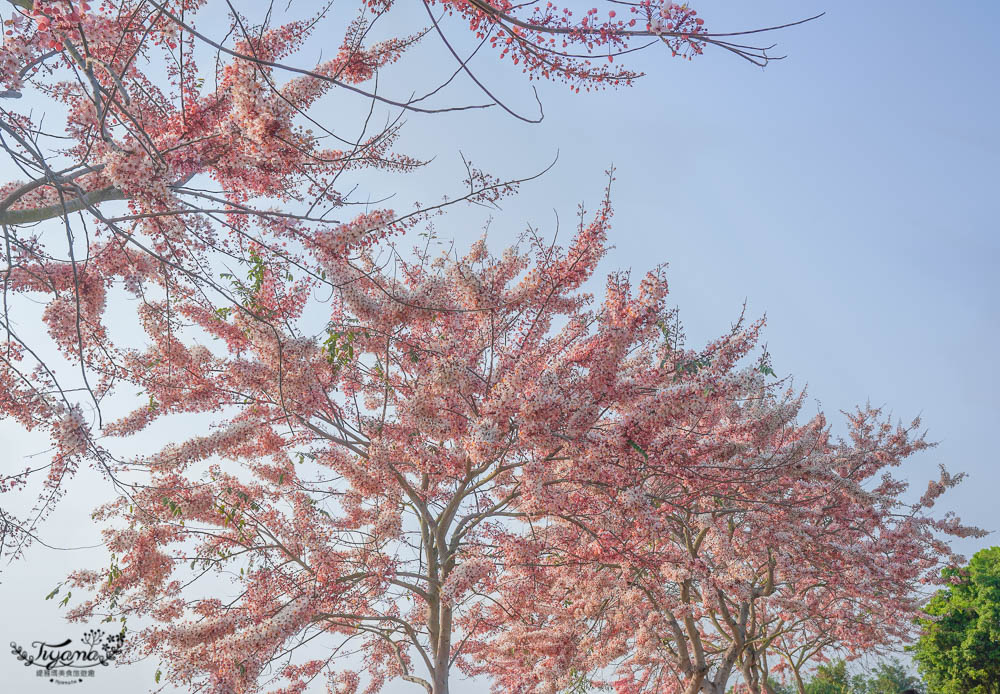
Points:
(849, 192)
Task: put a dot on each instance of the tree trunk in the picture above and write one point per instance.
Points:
(799, 684)
(442, 654)
(694, 685)
(440, 683)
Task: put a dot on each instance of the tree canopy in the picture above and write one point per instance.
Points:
(959, 649)
(150, 148)
(467, 461)
(887, 677)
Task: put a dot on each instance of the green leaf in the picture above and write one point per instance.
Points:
(637, 447)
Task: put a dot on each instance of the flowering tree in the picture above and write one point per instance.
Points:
(471, 468)
(449, 463)
(390, 472)
(144, 174)
(745, 544)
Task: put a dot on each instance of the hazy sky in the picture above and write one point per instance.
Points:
(849, 192)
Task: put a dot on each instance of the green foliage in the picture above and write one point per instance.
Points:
(581, 684)
(175, 508)
(764, 365)
(830, 678)
(249, 291)
(673, 338)
(780, 688)
(639, 448)
(889, 677)
(691, 367)
(255, 279)
(114, 572)
(339, 347)
(959, 650)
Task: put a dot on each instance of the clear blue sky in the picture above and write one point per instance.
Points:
(849, 192)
